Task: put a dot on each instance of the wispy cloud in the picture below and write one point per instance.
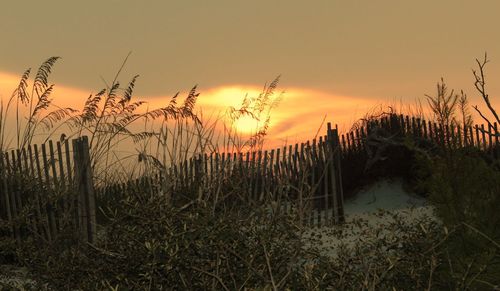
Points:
(296, 119)
(298, 116)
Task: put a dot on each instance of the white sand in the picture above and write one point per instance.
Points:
(384, 194)
(368, 216)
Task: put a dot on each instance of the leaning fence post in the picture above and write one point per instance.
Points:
(85, 187)
(332, 177)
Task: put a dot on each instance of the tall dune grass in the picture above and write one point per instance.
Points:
(113, 117)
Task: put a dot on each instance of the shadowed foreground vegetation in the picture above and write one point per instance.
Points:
(147, 242)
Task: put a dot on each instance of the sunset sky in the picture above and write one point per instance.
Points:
(335, 58)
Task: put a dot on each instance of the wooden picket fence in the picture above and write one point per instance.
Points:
(308, 178)
(303, 178)
(483, 137)
(359, 145)
(47, 189)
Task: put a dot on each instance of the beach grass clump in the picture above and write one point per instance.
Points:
(29, 111)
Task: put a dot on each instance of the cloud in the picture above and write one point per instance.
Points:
(298, 116)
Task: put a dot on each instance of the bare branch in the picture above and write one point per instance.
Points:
(480, 85)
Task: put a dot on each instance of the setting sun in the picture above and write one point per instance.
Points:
(248, 125)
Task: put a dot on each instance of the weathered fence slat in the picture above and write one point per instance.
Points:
(43, 181)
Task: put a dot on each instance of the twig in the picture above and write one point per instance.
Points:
(212, 275)
(269, 268)
(105, 252)
(319, 128)
(482, 234)
(486, 119)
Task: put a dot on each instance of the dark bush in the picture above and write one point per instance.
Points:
(150, 245)
(465, 187)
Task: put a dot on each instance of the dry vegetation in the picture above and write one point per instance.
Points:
(148, 242)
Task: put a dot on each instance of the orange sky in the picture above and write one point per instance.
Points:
(297, 118)
(336, 58)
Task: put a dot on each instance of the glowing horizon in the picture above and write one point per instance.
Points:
(301, 114)
(291, 120)
(336, 58)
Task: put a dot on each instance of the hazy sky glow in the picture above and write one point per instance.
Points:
(335, 57)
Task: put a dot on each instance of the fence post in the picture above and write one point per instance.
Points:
(338, 172)
(334, 169)
(5, 191)
(85, 187)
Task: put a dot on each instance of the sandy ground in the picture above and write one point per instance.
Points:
(368, 215)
